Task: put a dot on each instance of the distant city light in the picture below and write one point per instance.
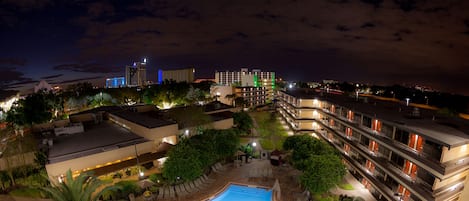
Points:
(290, 86)
(144, 60)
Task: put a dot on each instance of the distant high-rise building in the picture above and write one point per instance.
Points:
(246, 78)
(178, 75)
(136, 74)
(115, 82)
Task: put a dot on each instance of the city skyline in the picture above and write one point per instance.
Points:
(384, 42)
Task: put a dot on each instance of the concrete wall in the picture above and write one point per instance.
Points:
(50, 126)
(454, 153)
(223, 124)
(17, 160)
(103, 158)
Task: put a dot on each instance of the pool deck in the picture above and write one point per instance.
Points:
(250, 174)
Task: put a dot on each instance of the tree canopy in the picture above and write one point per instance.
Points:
(191, 156)
(35, 108)
(243, 121)
(321, 164)
(322, 172)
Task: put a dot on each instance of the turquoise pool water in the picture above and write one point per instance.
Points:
(244, 193)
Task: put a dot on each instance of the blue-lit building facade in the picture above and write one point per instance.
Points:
(115, 82)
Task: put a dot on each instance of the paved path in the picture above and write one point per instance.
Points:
(11, 198)
(358, 189)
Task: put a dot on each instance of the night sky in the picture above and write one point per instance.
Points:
(422, 42)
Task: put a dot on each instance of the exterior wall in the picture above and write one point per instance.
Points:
(50, 126)
(96, 160)
(83, 117)
(222, 91)
(179, 75)
(454, 153)
(438, 184)
(465, 193)
(17, 160)
(223, 124)
(306, 103)
(151, 134)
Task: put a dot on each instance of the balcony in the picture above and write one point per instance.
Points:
(383, 163)
(435, 167)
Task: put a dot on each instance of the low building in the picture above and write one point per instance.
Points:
(118, 137)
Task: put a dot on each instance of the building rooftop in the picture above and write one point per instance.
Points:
(150, 119)
(96, 139)
(449, 131)
(214, 106)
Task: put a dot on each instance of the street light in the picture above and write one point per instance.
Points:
(407, 100)
(254, 144)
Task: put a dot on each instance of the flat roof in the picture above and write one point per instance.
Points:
(214, 106)
(150, 119)
(450, 131)
(96, 139)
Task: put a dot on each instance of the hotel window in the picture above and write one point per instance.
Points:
(410, 169)
(348, 132)
(416, 142)
(376, 126)
(403, 193)
(350, 115)
(373, 146)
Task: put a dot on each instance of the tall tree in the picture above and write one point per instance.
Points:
(322, 173)
(82, 188)
(243, 121)
(35, 108)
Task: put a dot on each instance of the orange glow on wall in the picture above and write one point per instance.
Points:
(376, 125)
(366, 183)
(346, 148)
(405, 194)
(416, 142)
(350, 115)
(410, 169)
(348, 132)
(373, 146)
(370, 166)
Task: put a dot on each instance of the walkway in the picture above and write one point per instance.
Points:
(358, 189)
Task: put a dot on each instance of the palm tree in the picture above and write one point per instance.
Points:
(81, 188)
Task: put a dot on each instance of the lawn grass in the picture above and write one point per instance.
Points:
(27, 192)
(346, 186)
(270, 131)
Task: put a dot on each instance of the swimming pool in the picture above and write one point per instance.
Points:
(244, 193)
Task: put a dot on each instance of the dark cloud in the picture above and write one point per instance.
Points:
(52, 76)
(8, 62)
(88, 68)
(308, 40)
(9, 73)
(79, 80)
